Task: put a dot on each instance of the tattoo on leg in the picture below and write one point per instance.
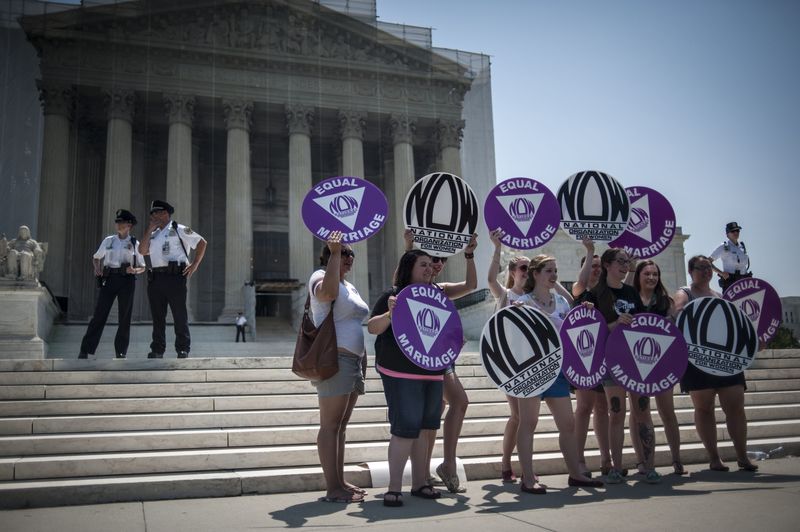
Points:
(648, 437)
(644, 403)
(616, 407)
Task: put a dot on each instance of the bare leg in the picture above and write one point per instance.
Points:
(456, 397)
(600, 425)
(510, 433)
(351, 403)
(731, 399)
(331, 412)
(666, 410)
(399, 451)
(420, 466)
(528, 418)
(706, 423)
(616, 423)
(432, 443)
(583, 411)
(636, 440)
(561, 408)
(643, 423)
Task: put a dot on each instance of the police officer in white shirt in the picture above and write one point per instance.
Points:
(241, 321)
(735, 262)
(166, 246)
(116, 263)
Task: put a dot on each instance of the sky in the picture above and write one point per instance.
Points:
(696, 99)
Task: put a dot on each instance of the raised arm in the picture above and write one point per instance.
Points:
(495, 288)
(328, 288)
(582, 283)
(455, 290)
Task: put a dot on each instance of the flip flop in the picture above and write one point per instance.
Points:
(343, 500)
(356, 489)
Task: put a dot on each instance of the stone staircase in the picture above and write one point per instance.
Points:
(79, 432)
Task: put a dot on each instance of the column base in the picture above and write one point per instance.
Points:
(26, 319)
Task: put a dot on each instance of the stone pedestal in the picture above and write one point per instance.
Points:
(26, 319)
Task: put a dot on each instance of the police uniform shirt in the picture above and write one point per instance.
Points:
(115, 251)
(166, 247)
(734, 257)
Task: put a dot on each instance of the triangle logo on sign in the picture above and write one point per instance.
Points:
(521, 209)
(752, 306)
(429, 321)
(647, 349)
(584, 340)
(344, 206)
(639, 220)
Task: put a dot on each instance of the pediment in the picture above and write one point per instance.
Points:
(293, 30)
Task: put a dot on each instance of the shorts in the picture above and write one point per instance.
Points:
(695, 379)
(559, 388)
(413, 404)
(348, 379)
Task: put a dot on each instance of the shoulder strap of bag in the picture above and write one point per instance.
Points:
(178, 233)
(133, 242)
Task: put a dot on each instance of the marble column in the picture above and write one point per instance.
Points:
(299, 119)
(238, 205)
(448, 135)
(402, 132)
(352, 125)
(58, 103)
(179, 109)
(120, 103)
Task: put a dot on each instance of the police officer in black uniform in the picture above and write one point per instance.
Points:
(733, 253)
(166, 246)
(116, 263)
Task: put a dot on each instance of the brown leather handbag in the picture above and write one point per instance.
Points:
(316, 355)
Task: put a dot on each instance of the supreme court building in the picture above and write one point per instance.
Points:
(231, 111)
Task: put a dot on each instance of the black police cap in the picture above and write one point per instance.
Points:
(159, 205)
(125, 216)
(732, 226)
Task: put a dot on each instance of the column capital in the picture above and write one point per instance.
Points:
(402, 128)
(56, 98)
(179, 108)
(238, 113)
(449, 133)
(299, 118)
(352, 123)
(120, 102)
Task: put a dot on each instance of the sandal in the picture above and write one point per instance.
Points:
(606, 469)
(355, 497)
(536, 490)
(508, 476)
(653, 477)
(451, 481)
(677, 468)
(398, 499)
(426, 492)
(747, 466)
(722, 468)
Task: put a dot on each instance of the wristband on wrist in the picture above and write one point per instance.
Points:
(469, 256)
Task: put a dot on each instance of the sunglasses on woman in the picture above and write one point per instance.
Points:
(437, 260)
(348, 253)
(522, 267)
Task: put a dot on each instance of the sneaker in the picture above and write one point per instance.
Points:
(152, 354)
(183, 354)
(653, 477)
(121, 355)
(614, 477)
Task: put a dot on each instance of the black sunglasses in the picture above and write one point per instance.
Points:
(437, 260)
(348, 253)
(522, 268)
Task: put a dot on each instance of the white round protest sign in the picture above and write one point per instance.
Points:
(593, 204)
(442, 212)
(521, 351)
(721, 338)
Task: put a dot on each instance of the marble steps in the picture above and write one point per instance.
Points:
(287, 456)
(289, 434)
(110, 422)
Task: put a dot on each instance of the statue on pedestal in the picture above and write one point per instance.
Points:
(22, 258)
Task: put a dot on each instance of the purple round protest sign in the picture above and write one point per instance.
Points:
(759, 302)
(524, 210)
(583, 335)
(593, 204)
(351, 205)
(722, 341)
(647, 357)
(651, 224)
(427, 327)
(442, 212)
(521, 351)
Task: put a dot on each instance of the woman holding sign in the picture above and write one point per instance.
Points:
(330, 292)
(413, 394)
(703, 387)
(513, 290)
(654, 298)
(617, 302)
(540, 294)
